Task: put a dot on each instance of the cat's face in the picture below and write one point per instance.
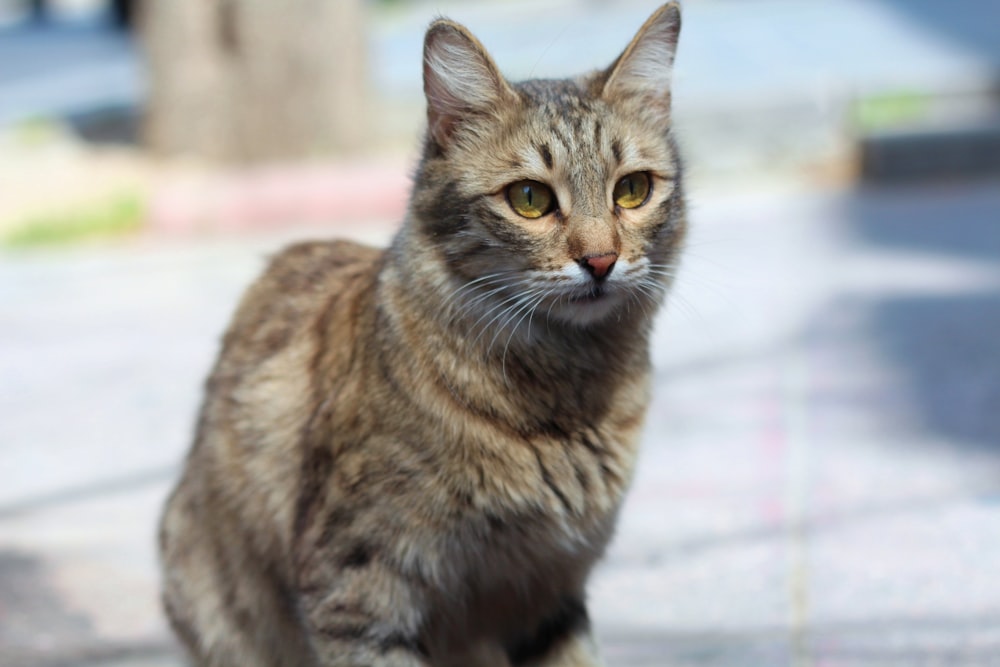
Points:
(552, 199)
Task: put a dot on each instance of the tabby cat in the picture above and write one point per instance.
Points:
(414, 456)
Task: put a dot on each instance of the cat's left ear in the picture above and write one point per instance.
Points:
(644, 69)
(461, 81)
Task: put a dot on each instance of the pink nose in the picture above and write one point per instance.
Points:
(599, 266)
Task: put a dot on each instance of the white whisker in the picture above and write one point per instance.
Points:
(525, 301)
(531, 309)
(502, 307)
(519, 300)
(460, 309)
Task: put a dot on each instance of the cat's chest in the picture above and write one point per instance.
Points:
(505, 572)
(539, 508)
(563, 485)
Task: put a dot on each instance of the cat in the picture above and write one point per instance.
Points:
(415, 456)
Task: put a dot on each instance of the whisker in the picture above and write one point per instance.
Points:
(472, 285)
(720, 290)
(502, 307)
(469, 305)
(518, 300)
(460, 309)
(652, 297)
(687, 309)
(503, 359)
(514, 310)
(548, 314)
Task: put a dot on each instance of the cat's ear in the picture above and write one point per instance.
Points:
(644, 67)
(460, 79)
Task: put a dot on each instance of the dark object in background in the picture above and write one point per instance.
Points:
(107, 125)
(123, 13)
(950, 153)
(39, 10)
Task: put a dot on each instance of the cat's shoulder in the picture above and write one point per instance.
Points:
(305, 265)
(296, 287)
(311, 268)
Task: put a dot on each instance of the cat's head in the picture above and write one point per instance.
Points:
(554, 198)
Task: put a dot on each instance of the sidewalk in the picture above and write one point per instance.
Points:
(820, 481)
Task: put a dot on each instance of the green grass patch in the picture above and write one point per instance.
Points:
(888, 111)
(35, 132)
(117, 216)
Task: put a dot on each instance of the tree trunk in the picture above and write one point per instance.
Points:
(255, 80)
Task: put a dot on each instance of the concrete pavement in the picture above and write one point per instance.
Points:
(820, 482)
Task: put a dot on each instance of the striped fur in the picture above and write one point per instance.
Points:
(414, 456)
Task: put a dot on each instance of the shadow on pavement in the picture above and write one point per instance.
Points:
(909, 641)
(32, 615)
(949, 348)
(943, 339)
(38, 629)
(949, 220)
(879, 641)
(765, 646)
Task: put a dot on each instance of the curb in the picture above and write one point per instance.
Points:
(274, 197)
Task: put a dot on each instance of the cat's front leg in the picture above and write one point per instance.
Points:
(364, 617)
(563, 639)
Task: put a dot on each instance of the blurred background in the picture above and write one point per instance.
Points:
(820, 481)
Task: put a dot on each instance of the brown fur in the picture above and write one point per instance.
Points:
(415, 456)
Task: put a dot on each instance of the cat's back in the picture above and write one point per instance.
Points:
(302, 284)
(294, 331)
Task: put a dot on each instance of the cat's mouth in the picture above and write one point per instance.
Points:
(586, 305)
(595, 293)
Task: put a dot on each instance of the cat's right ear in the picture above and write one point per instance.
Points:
(460, 79)
(643, 70)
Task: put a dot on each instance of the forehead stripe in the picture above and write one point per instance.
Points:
(546, 154)
(566, 141)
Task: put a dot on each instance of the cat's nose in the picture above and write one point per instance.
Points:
(599, 266)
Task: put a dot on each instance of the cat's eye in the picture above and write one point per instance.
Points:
(531, 199)
(632, 190)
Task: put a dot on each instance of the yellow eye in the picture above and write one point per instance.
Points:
(530, 199)
(632, 190)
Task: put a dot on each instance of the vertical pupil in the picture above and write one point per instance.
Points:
(529, 195)
(631, 187)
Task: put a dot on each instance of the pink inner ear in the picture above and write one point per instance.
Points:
(441, 112)
(442, 105)
(460, 79)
